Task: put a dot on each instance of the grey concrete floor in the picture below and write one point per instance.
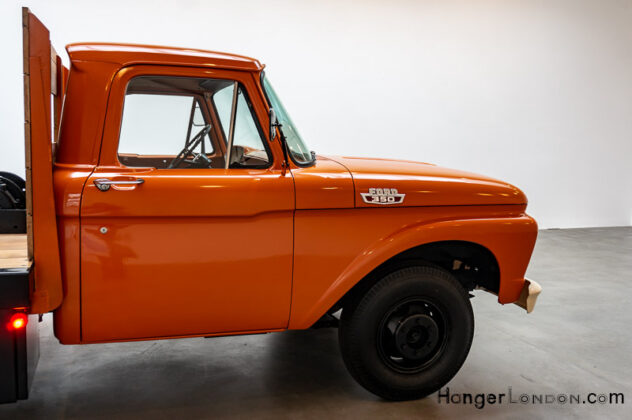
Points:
(577, 341)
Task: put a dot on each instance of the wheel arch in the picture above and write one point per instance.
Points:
(472, 264)
(502, 246)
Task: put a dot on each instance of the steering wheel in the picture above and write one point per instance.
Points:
(198, 158)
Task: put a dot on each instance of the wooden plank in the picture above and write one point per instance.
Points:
(14, 263)
(53, 71)
(27, 129)
(25, 39)
(13, 251)
(12, 241)
(58, 100)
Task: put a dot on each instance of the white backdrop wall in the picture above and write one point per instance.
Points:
(537, 93)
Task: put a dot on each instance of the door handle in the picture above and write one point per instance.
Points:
(104, 184)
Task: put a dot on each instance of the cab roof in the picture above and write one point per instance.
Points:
(129, 54)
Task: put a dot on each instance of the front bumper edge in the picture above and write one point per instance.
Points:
(529, 294)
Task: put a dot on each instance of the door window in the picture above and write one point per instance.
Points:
(177, 122)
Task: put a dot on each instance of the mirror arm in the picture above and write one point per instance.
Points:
(283, 146)
(274, 125)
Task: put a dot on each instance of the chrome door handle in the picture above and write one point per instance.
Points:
(104, 184)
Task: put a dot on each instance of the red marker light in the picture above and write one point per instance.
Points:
(18, 321)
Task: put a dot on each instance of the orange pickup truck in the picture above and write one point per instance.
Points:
(169, 195)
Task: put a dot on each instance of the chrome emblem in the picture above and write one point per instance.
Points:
(383, 196)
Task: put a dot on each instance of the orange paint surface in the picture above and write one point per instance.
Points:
(193, 252)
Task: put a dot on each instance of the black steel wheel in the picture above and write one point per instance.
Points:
(412, 334)
(409, 334)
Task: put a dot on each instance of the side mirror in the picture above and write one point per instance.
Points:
(274, 123)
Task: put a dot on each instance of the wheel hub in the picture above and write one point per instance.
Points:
(416, 336)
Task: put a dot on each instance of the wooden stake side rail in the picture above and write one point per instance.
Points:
(44, 77)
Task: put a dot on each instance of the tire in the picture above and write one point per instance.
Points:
(409, 334)
(17, 180)
(13, 190)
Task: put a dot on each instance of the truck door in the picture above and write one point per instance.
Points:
(186, 224)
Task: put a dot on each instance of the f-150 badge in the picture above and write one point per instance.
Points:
(383, 196)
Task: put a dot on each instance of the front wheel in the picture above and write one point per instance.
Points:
(409, 334)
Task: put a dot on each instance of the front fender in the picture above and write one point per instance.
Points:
(510, 240)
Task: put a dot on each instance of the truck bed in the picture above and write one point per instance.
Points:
(14, 252)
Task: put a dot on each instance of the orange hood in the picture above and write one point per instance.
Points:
(423, 184)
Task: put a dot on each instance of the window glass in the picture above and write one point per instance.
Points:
(247, 140)
(154, 124)
(298, 149)
(172, 122)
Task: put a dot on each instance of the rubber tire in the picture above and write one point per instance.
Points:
(17, 180)
(360, 321)
(11, 188)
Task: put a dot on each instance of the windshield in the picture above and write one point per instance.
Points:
(298, 149)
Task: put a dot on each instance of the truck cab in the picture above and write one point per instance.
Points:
(176, 198)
